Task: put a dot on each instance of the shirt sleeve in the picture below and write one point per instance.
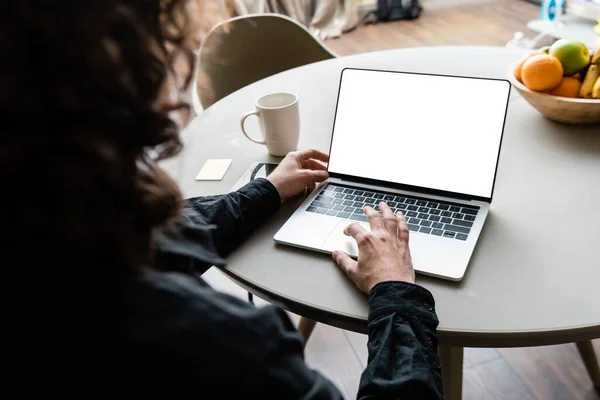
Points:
(234, 216)
(403, 361)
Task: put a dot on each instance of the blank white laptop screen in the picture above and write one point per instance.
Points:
(429, 131)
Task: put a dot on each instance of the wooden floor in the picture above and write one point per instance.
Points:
(444, 22)
(541, 373)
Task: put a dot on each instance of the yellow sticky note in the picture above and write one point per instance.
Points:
(213, 170)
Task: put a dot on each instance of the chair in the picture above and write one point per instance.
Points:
(243, 50)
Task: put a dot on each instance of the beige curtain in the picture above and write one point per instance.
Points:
(323, 18)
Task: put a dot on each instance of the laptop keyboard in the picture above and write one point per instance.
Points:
(430, 217)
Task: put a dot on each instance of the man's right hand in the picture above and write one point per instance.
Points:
(383, 253)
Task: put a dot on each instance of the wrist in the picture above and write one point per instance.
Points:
(276, 185)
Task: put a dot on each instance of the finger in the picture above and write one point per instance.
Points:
(345, 262)
(375, 220)
(311, 176)
(403, 231)
(355, 230)
(313, 153)
(390, 222)
(315, 165)
(310, 187)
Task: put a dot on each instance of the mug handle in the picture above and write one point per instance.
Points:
(244, 130)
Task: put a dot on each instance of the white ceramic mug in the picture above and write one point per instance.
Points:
(279, 120)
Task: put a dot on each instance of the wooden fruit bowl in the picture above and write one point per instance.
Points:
(560, 109)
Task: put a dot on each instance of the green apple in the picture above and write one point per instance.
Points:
(545, 49)
(572, 54)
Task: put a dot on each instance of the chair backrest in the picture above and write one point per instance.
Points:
(245, 49)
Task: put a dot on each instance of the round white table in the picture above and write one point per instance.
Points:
(534, 278)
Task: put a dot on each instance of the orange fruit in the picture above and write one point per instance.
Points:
(542, 72)
(568, 87)
(520, 63)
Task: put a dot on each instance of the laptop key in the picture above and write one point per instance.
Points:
(461, 236)
(413, 208)
(460, 229)
(434, 212)
(344, 214)
(338, 189)
(437, 225)
(358, 204)
(446, 214)
(388, 198)
(469, 218)
(458, 215)
(359, 198)
(339, 195)
(337, 201)
(423, 216)
(339, 208)
(348, 203)
(379, 196)
(359, 217)
(321, 204)
(434, 218)
(437, 232)
(348, 191)
(425, 230)
(449, 234)
(447, 220)
(423, 209)
(349, 197)
(444, 207)
(471, 211)
(414, 221)
(425, 223)
(324, 199)
(358, 192)
(432, 204)
(414, 228)
(421, 203)
(349, 209)
(392, 204)
(460, 222)
(454, 208)
(311, 209)
(333, 213)
(411, 214)
(322, 211)
(410, 201)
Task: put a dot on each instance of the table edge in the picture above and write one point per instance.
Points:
(445, 337)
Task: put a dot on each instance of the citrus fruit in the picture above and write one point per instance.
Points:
(568, 87)
(542, 72)
(520, 63)
(572, 54)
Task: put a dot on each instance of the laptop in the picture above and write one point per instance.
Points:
(428, 145)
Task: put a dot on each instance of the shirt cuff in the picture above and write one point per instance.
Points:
(403, 298)
(262, 193)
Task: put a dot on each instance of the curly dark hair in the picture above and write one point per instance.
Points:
(82, 127)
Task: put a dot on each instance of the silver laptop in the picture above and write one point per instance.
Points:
(428, 145)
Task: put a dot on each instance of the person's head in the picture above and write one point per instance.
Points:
(88, 108)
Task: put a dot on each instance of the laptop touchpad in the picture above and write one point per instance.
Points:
(337, 240)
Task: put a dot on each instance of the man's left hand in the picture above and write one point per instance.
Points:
(298, 171)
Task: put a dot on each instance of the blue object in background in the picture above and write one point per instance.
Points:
(549, 8)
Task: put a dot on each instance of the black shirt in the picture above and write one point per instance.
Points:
(181, 332)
